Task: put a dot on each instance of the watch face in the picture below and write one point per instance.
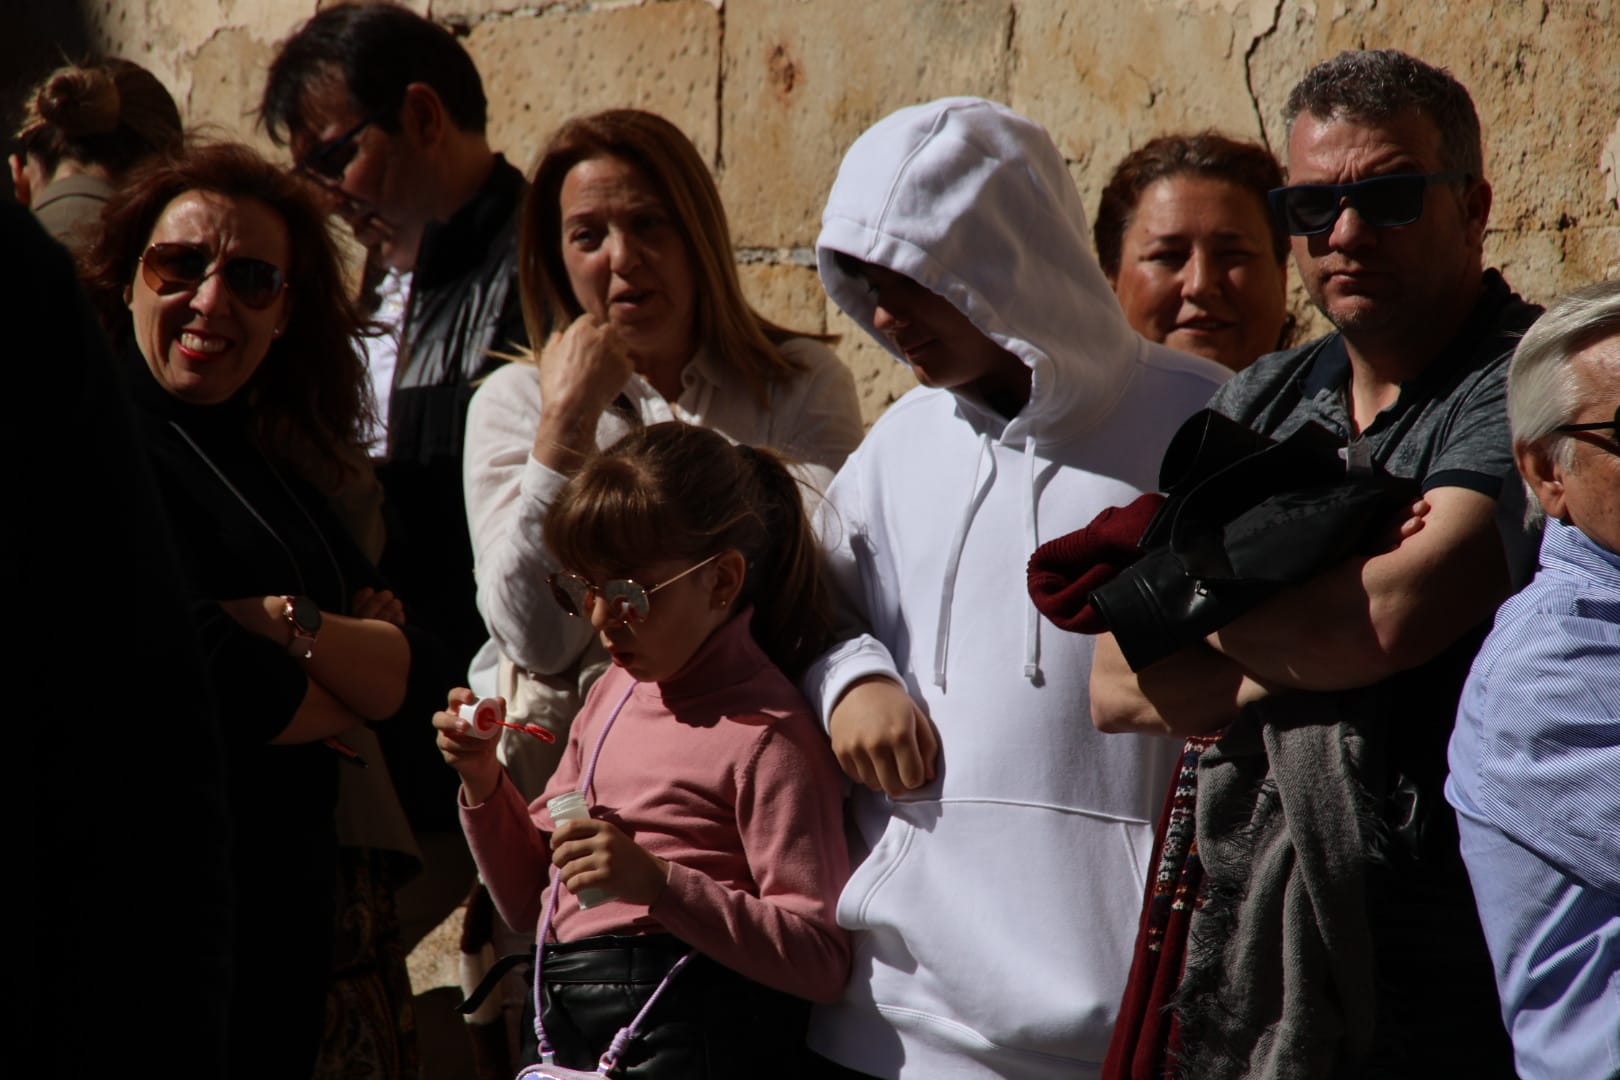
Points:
(306, 615)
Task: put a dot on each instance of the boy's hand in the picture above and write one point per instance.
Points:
(473, 758)
(595, 854)
(881, 738)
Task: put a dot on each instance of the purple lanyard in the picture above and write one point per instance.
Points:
(610, 1059)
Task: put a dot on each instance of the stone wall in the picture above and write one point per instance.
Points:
(772, 91)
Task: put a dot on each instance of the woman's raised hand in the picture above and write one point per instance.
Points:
(581, 370)
(473, 758)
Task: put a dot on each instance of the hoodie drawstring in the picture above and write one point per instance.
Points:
(1032, 617)
(947, 589)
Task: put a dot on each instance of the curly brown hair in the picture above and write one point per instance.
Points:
(312, 386)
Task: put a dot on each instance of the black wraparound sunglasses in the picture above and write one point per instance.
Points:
(1382, 201)
(173, 268)
(331, 158)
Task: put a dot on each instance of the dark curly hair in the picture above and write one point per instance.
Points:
(1246, 165)
(312, 385)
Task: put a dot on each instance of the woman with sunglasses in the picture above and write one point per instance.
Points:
(625, 250)
(221, 288)
(717, 804)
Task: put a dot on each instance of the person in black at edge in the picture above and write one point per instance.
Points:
(220, 286)
(120, 806)
(385, 112)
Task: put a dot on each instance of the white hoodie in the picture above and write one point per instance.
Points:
(996, 909)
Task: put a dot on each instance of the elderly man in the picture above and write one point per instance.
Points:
(385, 111)
(1333, 929)
(1535, 757)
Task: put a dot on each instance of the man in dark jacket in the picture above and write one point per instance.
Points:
(385, 111)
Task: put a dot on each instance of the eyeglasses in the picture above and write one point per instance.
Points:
(626, 599)
(332, 158)
(1383, 202)
(1612, 425)
(173, 268)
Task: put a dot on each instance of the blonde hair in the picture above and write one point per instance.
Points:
(733, 332)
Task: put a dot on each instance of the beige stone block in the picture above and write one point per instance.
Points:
(1590, 254)
(1104, 79)
(473, 10)
(227, 80)
(880, 379)
(803, 78)
(787, 294)
(540, 70)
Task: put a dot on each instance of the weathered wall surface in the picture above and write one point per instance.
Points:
(772, 91)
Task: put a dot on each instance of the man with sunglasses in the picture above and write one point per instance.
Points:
(1535, 757)
(1338, 695)
(385, 113)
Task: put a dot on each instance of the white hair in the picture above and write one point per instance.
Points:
(1542, 385)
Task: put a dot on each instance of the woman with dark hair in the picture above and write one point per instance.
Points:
(1185, 237)
(220, 286)
(84, 128)
(625, 246)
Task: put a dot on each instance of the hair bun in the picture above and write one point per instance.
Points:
(80, 101)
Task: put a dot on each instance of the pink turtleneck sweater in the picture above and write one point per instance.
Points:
(723, 772)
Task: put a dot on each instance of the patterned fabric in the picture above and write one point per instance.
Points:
(370, 1019)
(1147, 1036)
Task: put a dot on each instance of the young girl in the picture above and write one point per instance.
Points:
(715, 801)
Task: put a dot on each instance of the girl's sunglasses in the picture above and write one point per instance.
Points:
(626, 599)
(173, 268)
(1384, 202)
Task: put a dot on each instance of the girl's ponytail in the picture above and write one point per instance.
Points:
(792, 615)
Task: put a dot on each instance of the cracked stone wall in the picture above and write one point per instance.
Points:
(772, 91)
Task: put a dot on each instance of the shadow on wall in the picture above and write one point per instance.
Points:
(36, 38)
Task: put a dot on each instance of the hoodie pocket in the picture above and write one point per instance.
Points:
(1012, 920)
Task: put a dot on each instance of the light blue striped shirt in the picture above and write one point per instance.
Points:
(1535, 778)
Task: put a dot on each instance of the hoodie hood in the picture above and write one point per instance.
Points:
(973, 201)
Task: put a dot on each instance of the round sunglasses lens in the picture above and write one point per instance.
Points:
(625, 599)
(571, 594)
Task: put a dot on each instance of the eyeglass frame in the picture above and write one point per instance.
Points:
(1345, 194)
(310, 166)
(171, 286)
(622, 603)
(1613, 425)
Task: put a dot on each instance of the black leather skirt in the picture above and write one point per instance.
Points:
(710, 1023)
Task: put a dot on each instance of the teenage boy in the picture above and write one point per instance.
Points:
(1005, 840)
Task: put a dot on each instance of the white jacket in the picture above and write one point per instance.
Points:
(996, 909)
(813, 418)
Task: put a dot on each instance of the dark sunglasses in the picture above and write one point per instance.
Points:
(1384, 202)
(331, 158)
(626, 599)
(173, 268)
(1613, 427)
